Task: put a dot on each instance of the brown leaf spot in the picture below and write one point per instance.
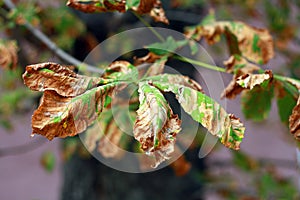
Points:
(8, 52)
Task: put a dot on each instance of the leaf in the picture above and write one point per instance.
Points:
(249, 81)
(294, 121)
(154, 8)
(209, 113)
(59, 116)
(150, 7)
(132, 4)
(193, 47)
(113, 140)
(166, 47)
(121, 70)
(158, 63)
(156, 126)
(256, 103)
(52, 76)
(177, 79)
(245, 81)
(253, 43)
(48, 161)
(286, 95)
(8, 52)
(239, 65)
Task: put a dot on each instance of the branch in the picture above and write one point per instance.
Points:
(52, 46)
(16, 150)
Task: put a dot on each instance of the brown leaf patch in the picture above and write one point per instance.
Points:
(242, 70)
(151, 7)
(52, 76)
(294, 119)
(59, 116)
(8, 52)
(254, 43)
(156, 126)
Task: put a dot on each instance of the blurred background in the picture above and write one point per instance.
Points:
(37, 169)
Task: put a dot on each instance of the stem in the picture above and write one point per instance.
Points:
(150, 27)
(199, 63)
(21, 149)
(52, 46)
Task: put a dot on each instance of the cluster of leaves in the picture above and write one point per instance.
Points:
(71, 102)
(151, 7)
(250, 47)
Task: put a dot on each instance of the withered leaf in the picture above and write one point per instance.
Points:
(114, 139)
(253, 43)
(243, 77)
(177, 79)
(150, 7)
(156, 126)
(108, 145)
(120, 70)
(157, 66)
(8, 52)
(249, 81)
(52, 76)
(209, 113)
(294, 119)
(59, 116)
(239, 65)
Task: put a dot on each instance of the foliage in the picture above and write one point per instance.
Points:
(74, 103)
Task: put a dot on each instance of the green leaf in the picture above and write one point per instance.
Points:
(48, 161)
(166, 47)
(193, 47)
(286, 100)
(256, 103)
(132, 3)
(209, 113)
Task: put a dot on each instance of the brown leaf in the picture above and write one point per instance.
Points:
(254, 43)
(108, 145)
(117, 69)
(158, 63)
(149, 58)
(239, 65)
(294, 119)
(59, 116)
(52, 76)
(95, 6)
(242, 70)
(8, 52)
(151, 7)
(156, 126)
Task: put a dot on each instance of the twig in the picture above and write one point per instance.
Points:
(52, 46)
(21, 149)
